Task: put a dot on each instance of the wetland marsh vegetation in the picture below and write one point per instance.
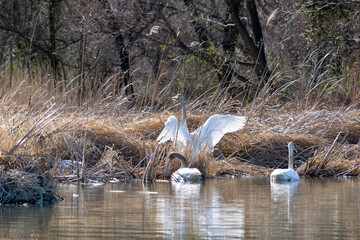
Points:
(86, 89)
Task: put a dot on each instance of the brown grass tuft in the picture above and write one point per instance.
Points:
(338, 161)
(18, 187)
(40, 137)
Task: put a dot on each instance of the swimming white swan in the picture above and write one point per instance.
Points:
(286, 174)
(205, 137)
(184, 174)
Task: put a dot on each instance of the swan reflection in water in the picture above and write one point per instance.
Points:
(282, 197)
(195, 210)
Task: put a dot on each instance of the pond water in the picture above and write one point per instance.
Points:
(249, 208)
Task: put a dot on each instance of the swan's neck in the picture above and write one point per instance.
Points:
(179, 156)
(291, 156)
(182, 102)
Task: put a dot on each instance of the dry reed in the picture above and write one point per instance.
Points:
(128, 151)
(18, 187)
(105, 141)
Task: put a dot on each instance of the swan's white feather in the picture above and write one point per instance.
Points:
(174, 131)
(288, 174)
(284, 175)
(186, 175)
(214, 129)
(205, 137)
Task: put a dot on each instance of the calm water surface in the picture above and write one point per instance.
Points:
(251, 208)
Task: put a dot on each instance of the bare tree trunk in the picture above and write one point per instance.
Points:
(225, 72)
(81, 83)
(257, 31)
(11, 62)
(125, 67)
(229, 38)
(54, 6)
(261, 68)
(123, 54)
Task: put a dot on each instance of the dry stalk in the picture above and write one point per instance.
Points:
(325, 159)
(83, 167)
(152, 156)
(162, 70)
(37, 124)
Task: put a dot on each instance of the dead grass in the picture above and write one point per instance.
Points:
(129, 151)
(342, 160)
(18, 187)
(42, 135)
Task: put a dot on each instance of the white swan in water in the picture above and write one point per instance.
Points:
(205, 137)
(184, 174)
(286, 174)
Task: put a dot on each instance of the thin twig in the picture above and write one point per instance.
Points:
(83, 167)
(327, 154)
(151, 157)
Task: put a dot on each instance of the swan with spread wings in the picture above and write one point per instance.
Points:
(205, 137)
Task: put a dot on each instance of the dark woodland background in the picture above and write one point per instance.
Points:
(141, 51)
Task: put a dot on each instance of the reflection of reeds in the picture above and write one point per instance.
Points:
(17, 187)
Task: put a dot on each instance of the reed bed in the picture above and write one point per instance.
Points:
(107, 142)
(19, 187)
(338, 160)
(76, 148)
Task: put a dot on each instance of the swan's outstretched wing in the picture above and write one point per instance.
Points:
(173, 131)
(214, 129)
